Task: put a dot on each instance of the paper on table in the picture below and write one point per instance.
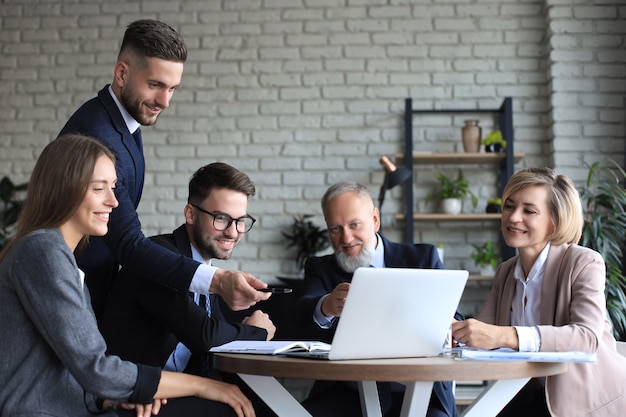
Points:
(506, 354)
(271, 347)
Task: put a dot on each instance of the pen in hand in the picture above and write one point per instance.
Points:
(276, 290)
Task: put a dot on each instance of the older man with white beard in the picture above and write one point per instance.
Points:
(353, 223)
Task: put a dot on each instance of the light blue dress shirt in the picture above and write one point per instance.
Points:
(178, 360)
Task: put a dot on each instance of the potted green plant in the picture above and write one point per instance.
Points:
(307, 237)
(486, 257)
(494, 205)
(604, 202)
(456, 190)
(12, 201)
(494, 142)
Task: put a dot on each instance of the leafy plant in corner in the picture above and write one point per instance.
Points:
(307, 237)
(485, 254)
(458, 188)
(604, 203)
(11, 206)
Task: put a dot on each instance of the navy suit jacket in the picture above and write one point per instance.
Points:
(143, 321)
(124, 244)
(323, 274)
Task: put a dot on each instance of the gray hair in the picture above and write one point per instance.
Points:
(345, 187)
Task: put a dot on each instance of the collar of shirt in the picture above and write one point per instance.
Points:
(536, 269)
(81, 276)
(525, 310)
(195, 255)
(131, 123)
(378, 261)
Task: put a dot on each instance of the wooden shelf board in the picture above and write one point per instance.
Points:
(480, 277)
(459, 158)
(451, 217)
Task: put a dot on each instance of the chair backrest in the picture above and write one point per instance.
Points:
(621, 348)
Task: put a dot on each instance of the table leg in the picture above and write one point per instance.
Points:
(370, 404)
(494, 397)
(416, 399)
(275, 395)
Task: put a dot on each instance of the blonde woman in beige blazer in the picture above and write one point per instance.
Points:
(550, 298)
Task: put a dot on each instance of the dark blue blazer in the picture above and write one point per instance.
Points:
(124, 244)
(143, 321)
(323, 274)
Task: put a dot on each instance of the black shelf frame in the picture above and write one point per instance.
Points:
(505, 124)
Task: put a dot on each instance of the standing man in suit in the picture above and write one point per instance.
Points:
(353, 223)
(149, 68)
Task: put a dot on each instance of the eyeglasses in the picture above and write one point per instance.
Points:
(222, 221)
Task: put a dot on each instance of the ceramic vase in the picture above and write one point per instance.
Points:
(487, 270)
(451, 205)
(471, 134)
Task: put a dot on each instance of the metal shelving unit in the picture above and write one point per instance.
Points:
(504, 161)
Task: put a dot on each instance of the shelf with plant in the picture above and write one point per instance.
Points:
(449, 158)
(494, 142)
(494, 205)
(486, 257)
(453, 189)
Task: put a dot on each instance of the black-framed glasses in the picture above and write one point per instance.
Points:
(222, 221)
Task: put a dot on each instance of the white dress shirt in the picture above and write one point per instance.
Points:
(526, 302)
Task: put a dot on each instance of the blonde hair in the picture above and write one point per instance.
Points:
(563, 201)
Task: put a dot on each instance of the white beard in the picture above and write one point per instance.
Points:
(350, 264)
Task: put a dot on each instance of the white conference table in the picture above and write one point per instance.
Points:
(506, 379)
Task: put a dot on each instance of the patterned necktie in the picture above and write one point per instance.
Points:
(205, 358)
(205, 302)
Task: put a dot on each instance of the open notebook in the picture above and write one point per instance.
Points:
(389, 313)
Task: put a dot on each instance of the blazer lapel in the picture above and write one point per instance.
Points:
(506, 300)
(552, 281)
(181, 240)
(127, 140)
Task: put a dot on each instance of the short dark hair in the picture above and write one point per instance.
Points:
(154, 39)
(218, 175)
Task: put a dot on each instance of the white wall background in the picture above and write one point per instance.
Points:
(302, 93)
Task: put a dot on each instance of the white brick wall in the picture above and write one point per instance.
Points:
(300, 94)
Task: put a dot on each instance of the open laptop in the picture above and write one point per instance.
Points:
(395, 312)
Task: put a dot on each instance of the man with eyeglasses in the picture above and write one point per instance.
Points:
(145, 322)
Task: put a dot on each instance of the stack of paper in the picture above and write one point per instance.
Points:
(505, 354)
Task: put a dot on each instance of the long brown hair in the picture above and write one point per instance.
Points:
(58, 184)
